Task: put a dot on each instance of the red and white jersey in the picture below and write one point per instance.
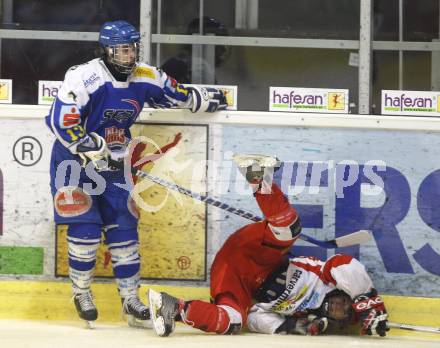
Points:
(308, 281)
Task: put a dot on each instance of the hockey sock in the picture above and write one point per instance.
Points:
(206, 316)
(123, 246)
(276, 207)
(83, 242)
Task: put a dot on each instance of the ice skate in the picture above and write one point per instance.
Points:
(163, 310)
(259, 161)
(135, 312)
(257, 168)
(86, 307)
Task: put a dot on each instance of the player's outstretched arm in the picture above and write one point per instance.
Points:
(268, 322)
(166, 92)
(310, 325)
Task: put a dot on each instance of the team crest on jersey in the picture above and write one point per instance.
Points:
(144, 72)
(123, 115)
(114, 135)
(69, 116)
(119, 115)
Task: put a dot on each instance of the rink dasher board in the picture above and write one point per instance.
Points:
(36, 231)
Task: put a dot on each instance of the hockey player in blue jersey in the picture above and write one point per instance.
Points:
(91, 116)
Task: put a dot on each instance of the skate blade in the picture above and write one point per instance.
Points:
(137, 323)
(90, 325)
(155, 301)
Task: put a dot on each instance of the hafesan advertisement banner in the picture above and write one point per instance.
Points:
(295, 99)
(411, 103)
(48, 91)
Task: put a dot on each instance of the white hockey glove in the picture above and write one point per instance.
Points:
(94, 149)
(309, 325)
(207, 99)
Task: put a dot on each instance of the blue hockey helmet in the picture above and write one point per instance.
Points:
(118, 33)
(120, 41)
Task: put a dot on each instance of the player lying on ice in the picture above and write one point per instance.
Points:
(91, 117)
(300, 295)
(306, 295)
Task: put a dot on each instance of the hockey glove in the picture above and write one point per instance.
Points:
(310, 325)
(207, 99)
(372, 314)
(94, 149)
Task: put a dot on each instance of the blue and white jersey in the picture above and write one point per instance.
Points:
(91, 100)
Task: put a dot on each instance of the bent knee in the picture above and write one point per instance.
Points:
(232, 318)
(286, 233)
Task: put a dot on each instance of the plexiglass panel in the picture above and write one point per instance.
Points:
(78, 15)
(255, 69)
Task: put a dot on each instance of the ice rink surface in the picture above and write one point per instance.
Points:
(48, 334)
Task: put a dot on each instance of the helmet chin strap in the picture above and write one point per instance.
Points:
(117, 74)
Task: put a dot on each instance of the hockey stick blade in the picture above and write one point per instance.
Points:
(355, 238)
(413, 327)
(359, 237)
(346, 240)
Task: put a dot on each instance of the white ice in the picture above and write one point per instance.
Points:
(48, 334)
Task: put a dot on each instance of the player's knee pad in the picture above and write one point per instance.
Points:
(125, 261)
(124, 253)
(209, 317)
(289, 232)
(123, 246)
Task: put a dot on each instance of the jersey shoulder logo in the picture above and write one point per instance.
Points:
(69, 116)
(143, 71)
(91, 80)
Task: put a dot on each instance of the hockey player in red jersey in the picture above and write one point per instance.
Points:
(300, 295)
(240, 267)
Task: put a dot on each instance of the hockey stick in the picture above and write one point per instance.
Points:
(354, 238)
(413, 327)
